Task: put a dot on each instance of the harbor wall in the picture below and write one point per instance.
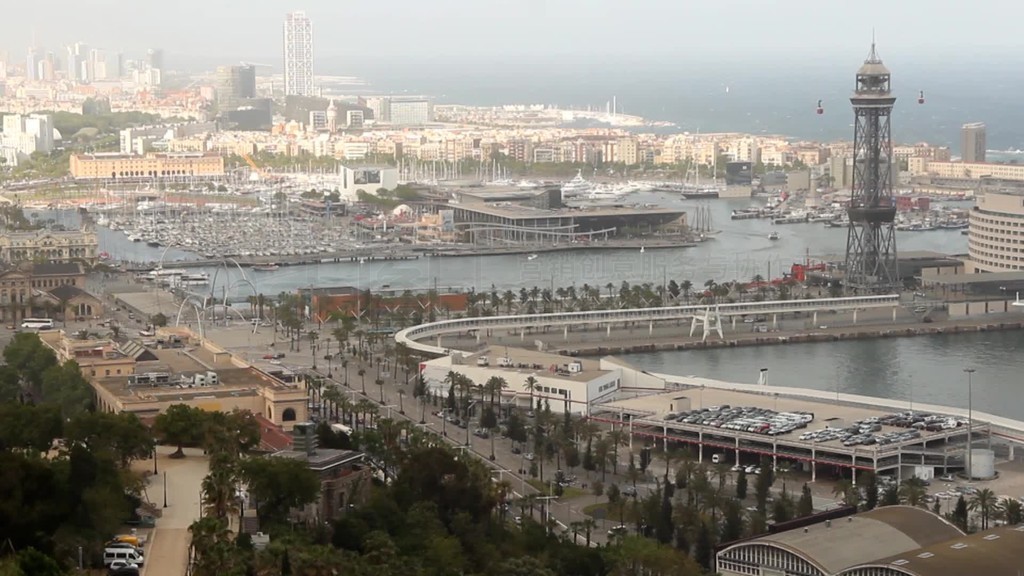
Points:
(846, 333)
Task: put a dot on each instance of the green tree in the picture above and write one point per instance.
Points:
(279, 485)
(732, 525)
(960, 514)
(158, 320)
(912, 491)
(984, 502)
(805, 507)
(869, 482)
(1012, 511)
(123, 435)
(180, 425)
(703, 551)
(741, 484)
(762, 484)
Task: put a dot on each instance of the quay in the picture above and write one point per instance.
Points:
(414, 252)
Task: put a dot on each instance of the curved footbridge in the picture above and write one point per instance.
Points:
(704, 318)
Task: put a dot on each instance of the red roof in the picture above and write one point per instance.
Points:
(272, 436)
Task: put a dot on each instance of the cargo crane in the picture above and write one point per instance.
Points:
(257, 172)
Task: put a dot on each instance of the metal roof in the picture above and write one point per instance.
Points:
(991, 552)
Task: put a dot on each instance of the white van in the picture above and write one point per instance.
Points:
(129, 555)
(718, 458)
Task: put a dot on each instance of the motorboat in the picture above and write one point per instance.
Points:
(266, 268)
(577, 186)
(531, 257)
(773, 235)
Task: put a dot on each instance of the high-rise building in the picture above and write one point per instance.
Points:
(298, 55)
(972, 142)
(155, 58)
(32, 65)
(234, 85)
(78, 69)
(411, 110)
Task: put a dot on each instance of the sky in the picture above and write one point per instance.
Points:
(472, 33)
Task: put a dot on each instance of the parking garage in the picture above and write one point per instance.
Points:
(742, 428)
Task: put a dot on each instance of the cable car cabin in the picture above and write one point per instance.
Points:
(820, 109)
(920, 97)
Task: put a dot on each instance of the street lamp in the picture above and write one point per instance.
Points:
(970, 421)
(165, 488)
(154, 458)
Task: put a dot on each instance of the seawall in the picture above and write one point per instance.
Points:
(835, 335)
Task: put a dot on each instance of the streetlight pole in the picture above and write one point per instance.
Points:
(165, 488)
(970, 421)
(155, 472)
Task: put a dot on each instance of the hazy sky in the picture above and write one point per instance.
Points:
(194, 31)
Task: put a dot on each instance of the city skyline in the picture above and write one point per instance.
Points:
(654, 29)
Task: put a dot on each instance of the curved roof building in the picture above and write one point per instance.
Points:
(834, 546)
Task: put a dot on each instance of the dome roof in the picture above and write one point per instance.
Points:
(873, 65)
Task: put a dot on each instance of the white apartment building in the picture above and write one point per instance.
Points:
(24, 135)
(298, 55)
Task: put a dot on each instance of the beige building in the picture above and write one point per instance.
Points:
(972, 142)
(150, 166)
(996, 235)
(179, 368)
(972, 170)
(49, 246)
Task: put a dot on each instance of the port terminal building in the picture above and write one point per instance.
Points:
(887, 541)
(565, 383)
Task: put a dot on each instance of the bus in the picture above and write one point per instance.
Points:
(37, 323)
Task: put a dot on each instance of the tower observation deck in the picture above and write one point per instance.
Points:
(871, 264)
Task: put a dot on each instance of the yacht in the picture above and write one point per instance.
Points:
(192, 279)
(266, 268)
(576, 187)
(773, 235)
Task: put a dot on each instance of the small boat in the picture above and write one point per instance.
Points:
(773, 236)
(531, 257)
(266, 268)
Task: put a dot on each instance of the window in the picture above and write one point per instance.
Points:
(288, 415)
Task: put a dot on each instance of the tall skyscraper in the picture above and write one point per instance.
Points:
(972, 142)
(32, 65)
(298, 55)
(78, 63)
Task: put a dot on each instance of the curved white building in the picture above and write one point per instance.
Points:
(996, 236)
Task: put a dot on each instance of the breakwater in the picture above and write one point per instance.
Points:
(838, 335)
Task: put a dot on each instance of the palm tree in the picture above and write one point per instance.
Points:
(219, 492)
(401, 404)
(362, 376)
(380, 384)
(531, 385)
(1012, 511)
(912, 491)
(984, 502)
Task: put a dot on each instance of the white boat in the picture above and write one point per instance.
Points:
(576, 187)
(773, 236)
(266, 268)
(192, 279)
(531, 257)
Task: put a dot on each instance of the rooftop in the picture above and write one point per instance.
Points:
(322, 458)
(990, 552)
(969, 279)
(878, 533)
(522, 360)
(509, 210)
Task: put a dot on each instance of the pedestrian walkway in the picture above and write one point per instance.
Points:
(167, 549)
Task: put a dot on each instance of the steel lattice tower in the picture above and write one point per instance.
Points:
(871, 264)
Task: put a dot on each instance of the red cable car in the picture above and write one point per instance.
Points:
(820, 109)
(920, 97)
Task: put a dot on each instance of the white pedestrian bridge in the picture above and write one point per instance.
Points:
(700, 314)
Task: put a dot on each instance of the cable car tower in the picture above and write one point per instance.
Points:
(871, 263)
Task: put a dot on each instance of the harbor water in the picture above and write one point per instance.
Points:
(927, 369)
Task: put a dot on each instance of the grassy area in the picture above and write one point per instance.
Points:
(568, 492)
(612, 512)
